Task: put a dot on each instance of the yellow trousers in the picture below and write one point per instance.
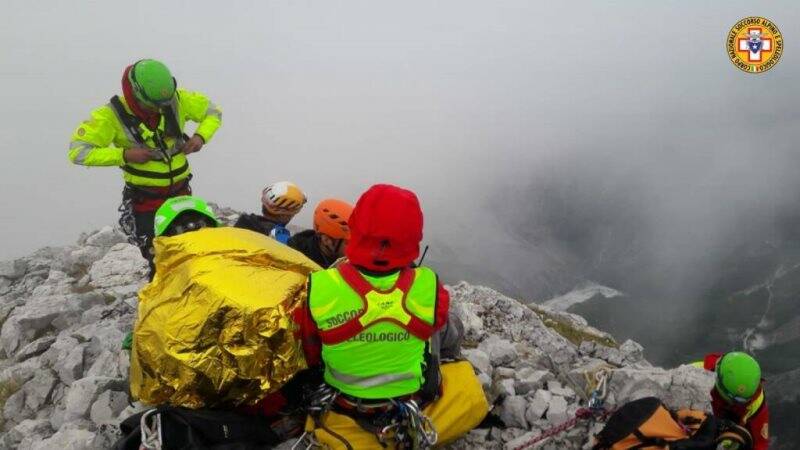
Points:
(461, 408)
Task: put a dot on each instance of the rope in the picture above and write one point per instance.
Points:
(580, 415)
(151, 435)
(595, 410)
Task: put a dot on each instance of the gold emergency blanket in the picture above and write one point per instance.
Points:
(461, 408)
(214, 326)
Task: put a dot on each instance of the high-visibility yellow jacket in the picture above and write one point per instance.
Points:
(102, 139)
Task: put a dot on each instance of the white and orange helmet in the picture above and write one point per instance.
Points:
(283, 198)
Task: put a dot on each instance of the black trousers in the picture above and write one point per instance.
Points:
(138, 226)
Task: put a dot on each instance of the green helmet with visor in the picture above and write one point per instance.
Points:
(166, 218)
(152, 83)
(738, 377)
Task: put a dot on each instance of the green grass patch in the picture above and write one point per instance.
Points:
(568, 331)
(7, 389)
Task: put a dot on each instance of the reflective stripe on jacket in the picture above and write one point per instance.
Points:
(373, 343)
(101, 140)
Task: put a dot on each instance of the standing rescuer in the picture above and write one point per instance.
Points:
(142, 132)
(738, 394)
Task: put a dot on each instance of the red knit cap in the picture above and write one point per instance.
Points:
(385, 229)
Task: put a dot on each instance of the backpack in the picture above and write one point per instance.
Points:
(648, 424)
(182, 428)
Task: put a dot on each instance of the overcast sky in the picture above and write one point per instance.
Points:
(454, 99)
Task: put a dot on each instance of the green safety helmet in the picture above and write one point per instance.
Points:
(175, 206)
(738, 377)
(152, 82)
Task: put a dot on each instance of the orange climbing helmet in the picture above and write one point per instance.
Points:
(331, 217)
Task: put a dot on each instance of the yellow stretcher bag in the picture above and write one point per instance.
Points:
(461, 408)
(214, 325)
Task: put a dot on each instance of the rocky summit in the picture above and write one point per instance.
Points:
(63, 375)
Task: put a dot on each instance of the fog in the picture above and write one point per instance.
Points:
(519, 124)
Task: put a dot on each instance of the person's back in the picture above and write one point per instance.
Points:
(374, 328)
(255, 222)
(375, 323)
(307, 243)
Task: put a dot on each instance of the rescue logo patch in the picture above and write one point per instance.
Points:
(754, 44)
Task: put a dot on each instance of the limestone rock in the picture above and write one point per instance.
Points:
(632, 351)
(504, 387)
(33, 430)
(5, 285)
(106, 237)
(106, 365)
(556, 389)
(38, 389)
(528, 379)
(70, 367)
(108, 407)
(479, 359)
(68, 438)
(14, 409)
(84, 392)
(40, 315)
(538, 405)
(500, 351)
(14, 269)
(82, 258)
(557, 411)
(36, 347)
(521, 440)
(512, 412)
(123, 265)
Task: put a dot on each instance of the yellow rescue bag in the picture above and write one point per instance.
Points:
(214, 326)
(461, 408)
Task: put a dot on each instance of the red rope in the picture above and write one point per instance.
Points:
(580, 414)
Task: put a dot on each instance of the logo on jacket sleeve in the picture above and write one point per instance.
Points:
(755, 44)
(765, 431)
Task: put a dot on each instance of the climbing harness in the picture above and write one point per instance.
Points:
(319, 402)
(127, 223)
(404, 423)
(152, 438)
(410, 427)
(595, 411)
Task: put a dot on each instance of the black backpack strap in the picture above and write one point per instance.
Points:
(202, 429)
(647, 441)
(129, 121)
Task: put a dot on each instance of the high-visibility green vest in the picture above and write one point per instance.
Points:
(101, 140)
(374, 329)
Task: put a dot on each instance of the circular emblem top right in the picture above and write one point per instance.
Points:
(755, 44)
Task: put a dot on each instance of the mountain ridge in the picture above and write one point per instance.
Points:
(63, 378)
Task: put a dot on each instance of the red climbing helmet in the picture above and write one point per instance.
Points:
(385, 228)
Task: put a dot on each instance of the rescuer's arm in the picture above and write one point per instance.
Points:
(91, 143)
(199, 108)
